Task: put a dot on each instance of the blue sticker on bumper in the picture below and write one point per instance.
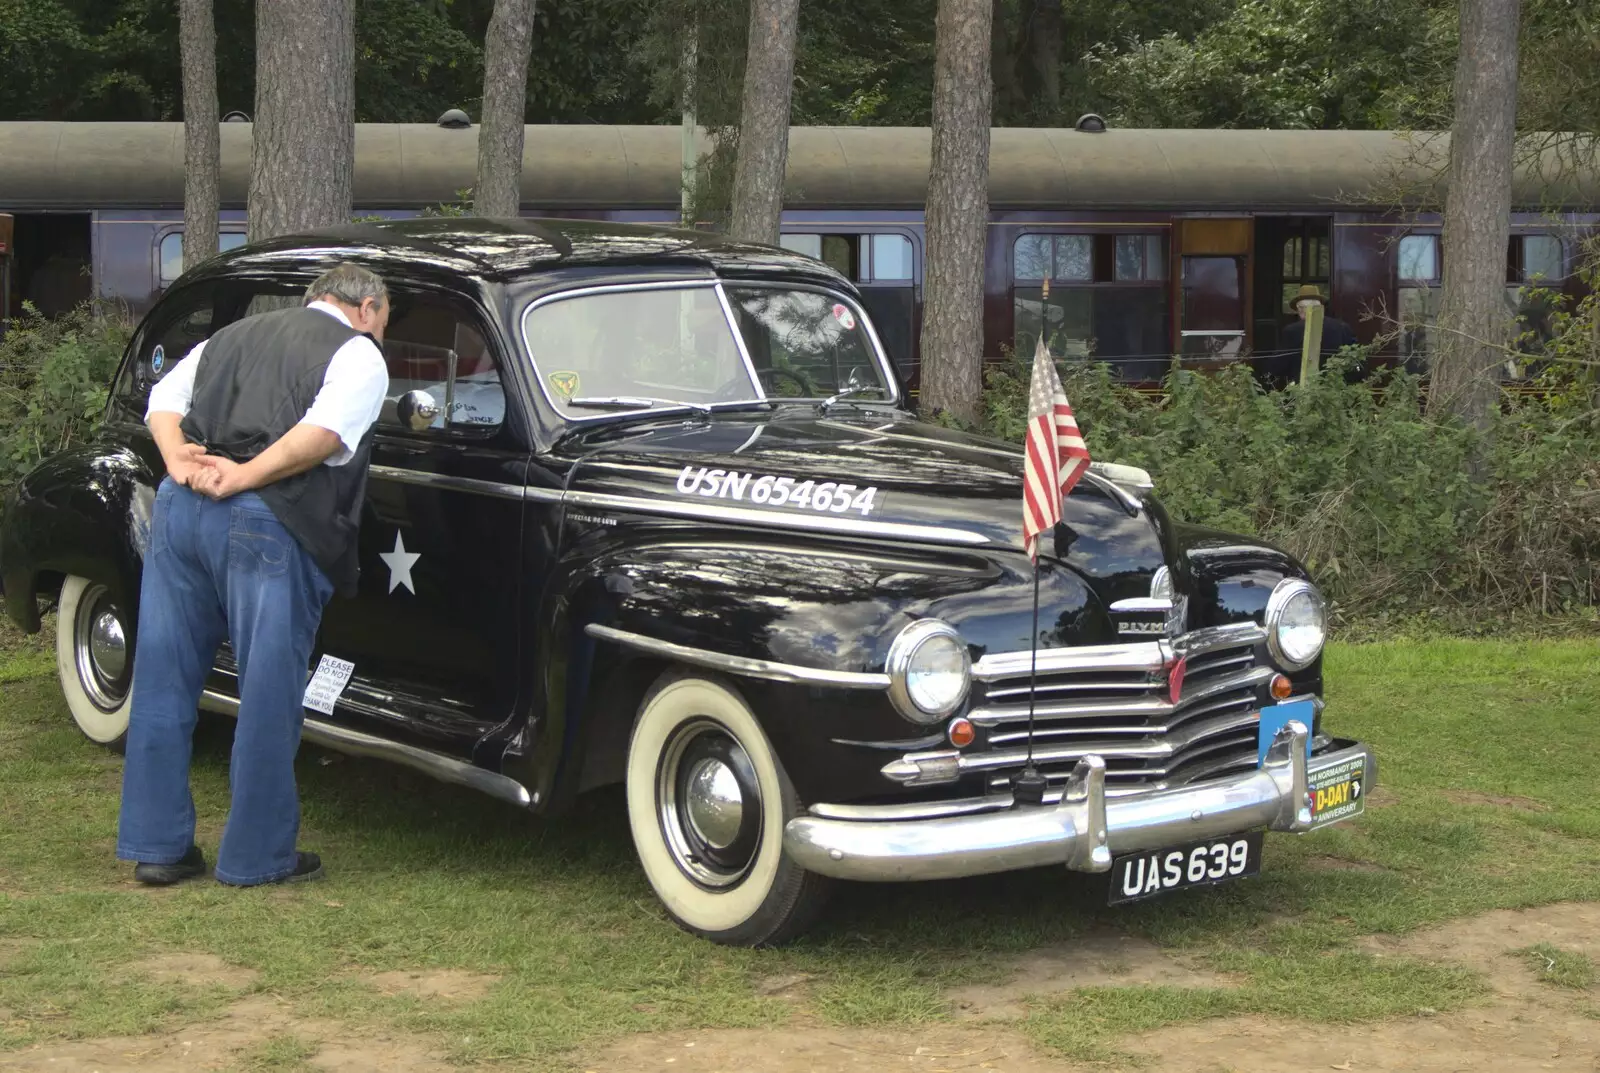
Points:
(1273, 719)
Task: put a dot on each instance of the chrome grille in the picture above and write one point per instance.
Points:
(1114, 701)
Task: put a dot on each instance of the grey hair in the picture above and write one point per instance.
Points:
(350, 285)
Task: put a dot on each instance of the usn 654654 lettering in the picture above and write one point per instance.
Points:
(649, 508)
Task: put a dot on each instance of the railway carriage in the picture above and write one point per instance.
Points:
(1153, 243)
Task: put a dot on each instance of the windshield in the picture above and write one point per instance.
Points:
(653, 347)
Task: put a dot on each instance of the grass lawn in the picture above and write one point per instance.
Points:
(1488, 764)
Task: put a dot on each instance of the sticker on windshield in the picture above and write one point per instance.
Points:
(842, 314)
(767, 490)
(158, 358)
(565, 384)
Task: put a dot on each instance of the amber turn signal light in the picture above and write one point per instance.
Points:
(962, 733)
(1281, 687)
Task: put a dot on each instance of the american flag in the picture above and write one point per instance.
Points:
(1056, 454)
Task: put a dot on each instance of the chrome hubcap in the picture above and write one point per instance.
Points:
(107, 646)
(100, 644)
(709, 804)
(715, 806)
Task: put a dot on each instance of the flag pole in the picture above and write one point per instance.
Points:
(1029, 786)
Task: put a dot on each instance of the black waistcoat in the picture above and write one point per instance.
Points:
(256, 380)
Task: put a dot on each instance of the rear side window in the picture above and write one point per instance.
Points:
(187, 318)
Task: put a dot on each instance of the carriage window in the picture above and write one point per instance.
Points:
(1141, 257)
(842, 253)
(172, 251)
(1419, 257)
(430, 347)
(1535, 257)
(891, 258)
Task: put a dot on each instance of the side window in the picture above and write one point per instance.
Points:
(167, 339)
(432, 346)
(1418, 295)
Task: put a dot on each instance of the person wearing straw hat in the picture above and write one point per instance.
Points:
(1283, 367)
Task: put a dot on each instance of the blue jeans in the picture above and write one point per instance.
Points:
(219, 570)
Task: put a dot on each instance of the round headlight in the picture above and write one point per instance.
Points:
(929, 671)
(1297, 623)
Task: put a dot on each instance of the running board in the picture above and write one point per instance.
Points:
(355, 743)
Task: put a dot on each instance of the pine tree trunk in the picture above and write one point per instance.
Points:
(302, 162)
(1044, 39)
(958, 211)
(764, 121)
(1002, 62)
(506, 48)
(1474, 324)
(202, 154)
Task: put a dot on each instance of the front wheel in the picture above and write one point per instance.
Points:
(94, 659)
(707, 802)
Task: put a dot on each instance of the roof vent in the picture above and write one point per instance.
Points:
(1090, 123)
(455, 119)
(236, 116)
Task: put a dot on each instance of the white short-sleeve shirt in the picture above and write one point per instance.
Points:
(347, 404)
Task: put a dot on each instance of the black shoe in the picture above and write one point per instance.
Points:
(308, 866)
(164, 875)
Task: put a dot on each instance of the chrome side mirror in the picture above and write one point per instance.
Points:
(416, 410)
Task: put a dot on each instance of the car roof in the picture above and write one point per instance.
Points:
(507, 249)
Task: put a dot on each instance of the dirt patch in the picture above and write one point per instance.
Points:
(1101, 959)
(452, 985)
(824, 1050)
(790, 986)
(216, 1045)
(1473, 797)
(1527, 1025)
(1485, 942)
(196, 970)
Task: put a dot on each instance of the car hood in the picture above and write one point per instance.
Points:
(927, 484)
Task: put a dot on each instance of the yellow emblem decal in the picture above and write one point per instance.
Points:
(565, 384)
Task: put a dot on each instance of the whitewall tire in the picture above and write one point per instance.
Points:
(707, 802)
(94, 659)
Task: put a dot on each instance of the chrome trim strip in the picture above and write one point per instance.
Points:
(1142, 603)
(977, 842)
(929, 534)
(1170, 745)
(462, 484)
(355, 743)
(740, 665)
(912, 810)
(995, 715)
(1139, 656)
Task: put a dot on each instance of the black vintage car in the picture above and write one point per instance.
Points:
(648, 507)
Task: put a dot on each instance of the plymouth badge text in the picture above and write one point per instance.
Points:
(767, 490)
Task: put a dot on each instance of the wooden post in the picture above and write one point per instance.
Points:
(1311, 348)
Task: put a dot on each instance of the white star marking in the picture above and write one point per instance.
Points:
(400, 561)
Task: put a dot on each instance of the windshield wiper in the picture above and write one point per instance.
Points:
(848, 393)
(634, 402)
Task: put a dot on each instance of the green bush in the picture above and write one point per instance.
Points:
(1381, 503)
(54, 375)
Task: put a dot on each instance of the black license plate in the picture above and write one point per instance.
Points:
(1199, 864)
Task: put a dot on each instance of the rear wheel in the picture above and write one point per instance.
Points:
(94, 659)
(707, 802)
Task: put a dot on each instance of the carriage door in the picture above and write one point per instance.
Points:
(1212, 288)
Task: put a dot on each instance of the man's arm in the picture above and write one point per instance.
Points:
(296, 451)
(169, 402)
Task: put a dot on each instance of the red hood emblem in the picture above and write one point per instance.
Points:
(1175, 678)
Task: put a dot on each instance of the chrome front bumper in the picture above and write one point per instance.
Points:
(1085, 830)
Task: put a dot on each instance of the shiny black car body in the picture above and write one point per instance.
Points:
(554, 598)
